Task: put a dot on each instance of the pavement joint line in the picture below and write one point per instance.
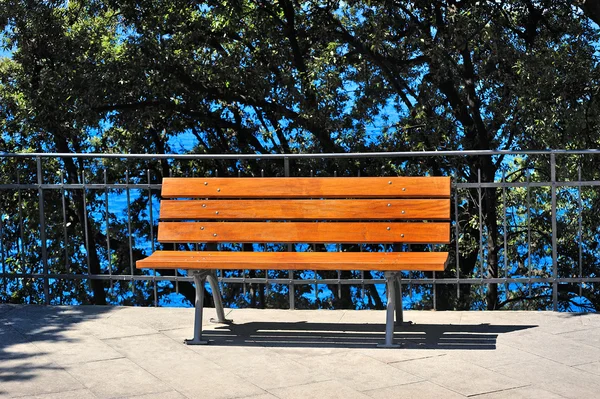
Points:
(301, 385)
(50, 393)
(127, 336)
(114, 312)
(402, 385)
(256, 396)
(583, 364)
(498, 390)
(144, 394)
(160, 330)
(417, 358)
(587, 372)
(448, 388)
(573, 331)
(95, 361)
(131, 336)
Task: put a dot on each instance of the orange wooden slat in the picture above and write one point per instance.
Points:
(306, 209)
(289, 232)
(384, 261)
(306, 187)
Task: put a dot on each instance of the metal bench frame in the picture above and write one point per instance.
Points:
(394, 306)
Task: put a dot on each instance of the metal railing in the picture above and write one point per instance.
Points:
(525, 230)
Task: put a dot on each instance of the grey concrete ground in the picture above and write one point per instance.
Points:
(105, 352)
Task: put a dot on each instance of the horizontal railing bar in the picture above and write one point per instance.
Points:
(570, 183)
(398, 154)
(258, 280)
(90, 186)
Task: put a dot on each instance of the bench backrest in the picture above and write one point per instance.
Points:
(411, 210)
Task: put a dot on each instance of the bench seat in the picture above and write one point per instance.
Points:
(382, 261)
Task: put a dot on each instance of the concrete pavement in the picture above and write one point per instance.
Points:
(121, 352)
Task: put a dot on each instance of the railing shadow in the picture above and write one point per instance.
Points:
(354, 335)
(24, 326)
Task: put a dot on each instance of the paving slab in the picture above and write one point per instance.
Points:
(65, 317)
(116, 378)
(268, 369)
(529, 392)
(71, 346)
(286, 334)
(403, 354)
(15, 344)
(469, 336)
(34, 375)
(181, 367)
(421, 390)
(285, 315)
(165, 318)
(588, 336)
(357, 371)
(457, 375)
(6, 307)
(560, 323)
(513, 318)
(86, 351)
(263, 396)
(118, 324)
(499, 356)
(555, 377)
(306, 352)
(75, 394)
(552, 346)
(591, 319)
(319, 390)
(160, 395)
(416, 317)
(593, 368)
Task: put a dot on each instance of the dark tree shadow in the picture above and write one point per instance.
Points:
(22, 326)
(356, 335)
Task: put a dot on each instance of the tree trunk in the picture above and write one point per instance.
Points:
(97, 286)
(490, 218)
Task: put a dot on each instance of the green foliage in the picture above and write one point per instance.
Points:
(266, 77)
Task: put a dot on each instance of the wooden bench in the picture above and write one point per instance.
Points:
(367, 210)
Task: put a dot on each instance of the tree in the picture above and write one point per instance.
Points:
(284, 76)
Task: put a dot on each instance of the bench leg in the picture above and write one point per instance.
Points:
(199, 279)
(398, 304)
(399, 311)
(389, 317)
(216, 292)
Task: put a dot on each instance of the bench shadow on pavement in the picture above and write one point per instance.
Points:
(356, 335)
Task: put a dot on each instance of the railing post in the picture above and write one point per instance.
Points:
(2, 260)
(38, 161)
(554, 232)
(291, 287)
